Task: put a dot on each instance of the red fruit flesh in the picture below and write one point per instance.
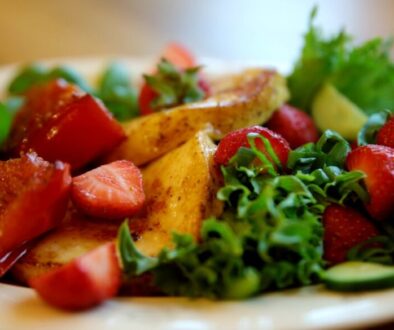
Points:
(145, 98)
(112, 191)
(344, 228)
(179, 56)
(67, 126)
(84, 282)
(294, 125)
(33, 199)
(377, 162)
(183, 59)
(230, 144)
(385, 136)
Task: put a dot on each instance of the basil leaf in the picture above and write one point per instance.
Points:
(117, 93)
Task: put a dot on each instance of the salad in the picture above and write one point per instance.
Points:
(189, 186)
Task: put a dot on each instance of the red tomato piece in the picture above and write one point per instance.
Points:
(69, 126)
(33, 199)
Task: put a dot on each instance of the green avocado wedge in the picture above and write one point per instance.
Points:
(359, 276)
(332, 110)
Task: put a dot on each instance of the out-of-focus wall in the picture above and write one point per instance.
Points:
(230, 29)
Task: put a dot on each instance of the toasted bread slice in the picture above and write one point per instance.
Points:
(180, 191)
(242, 100)
(73, 238)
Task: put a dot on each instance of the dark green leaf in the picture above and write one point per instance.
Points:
(132, 261)
(117, 93)
(367, 134)
(5, 123)
(173, 86)
(27, 77)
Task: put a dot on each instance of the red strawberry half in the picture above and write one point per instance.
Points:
(112, 191)
(294, 125)
(377, 162)
(82, 283)
(230, 144)
(344, 228)
(385, 135)
(33, 199)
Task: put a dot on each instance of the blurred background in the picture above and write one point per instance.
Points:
(269, 31)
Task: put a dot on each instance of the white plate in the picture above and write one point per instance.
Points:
(306, 308)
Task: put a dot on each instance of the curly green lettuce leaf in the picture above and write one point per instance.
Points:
(364, 74)
(269, 237)
(321, 166)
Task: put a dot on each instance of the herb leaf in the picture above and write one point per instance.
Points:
(37, 74)
(117, 93)
(174, 86)
(320, 166)
(364, 74)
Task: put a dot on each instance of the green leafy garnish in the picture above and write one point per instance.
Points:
(367, 134)
(117, 93)
(269, 237)
(364, 74)
(174, 86)
(320, 166)
(37, 74)
(5, 123)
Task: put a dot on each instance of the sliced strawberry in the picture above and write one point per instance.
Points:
(377, 162)
(112, 191)
(182, 59)
(230, 144)
(385, 136)
(84, 282)
(179, 55)
(294, 125)
(60, 122)
(344, 228)
(33, 199)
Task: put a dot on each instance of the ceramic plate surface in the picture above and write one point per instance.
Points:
(305, 308)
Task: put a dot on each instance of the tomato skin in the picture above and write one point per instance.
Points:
(61, 123)
(36, 195)
(230, 144)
